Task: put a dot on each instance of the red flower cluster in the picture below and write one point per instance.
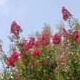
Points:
(27, 44)
(15, 28)
(65, 13)
(37, 44)
(56, 38)
(76, 35)
(44, 38)
(36, 52)
(10, 61)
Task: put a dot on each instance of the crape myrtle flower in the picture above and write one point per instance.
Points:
(65, 13)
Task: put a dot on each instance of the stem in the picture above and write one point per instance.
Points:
(69, 22)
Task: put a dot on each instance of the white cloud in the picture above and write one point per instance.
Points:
(3, 3)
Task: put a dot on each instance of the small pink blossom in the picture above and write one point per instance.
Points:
(15, 28)
(65, 13)
(56, 38)
(36, 52)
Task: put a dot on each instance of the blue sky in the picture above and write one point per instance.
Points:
(32, 14)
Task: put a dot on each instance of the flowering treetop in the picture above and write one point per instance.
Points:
(46, 56)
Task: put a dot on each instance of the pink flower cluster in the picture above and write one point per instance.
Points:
(65, 13)
(15, 28)
(10, 61)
